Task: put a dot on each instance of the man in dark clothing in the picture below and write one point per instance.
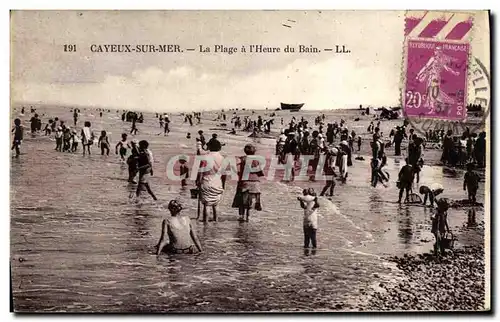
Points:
(260, 122)
(202, 139)
(480, 150)
(398, 138)
(213, 144)
(447, 147)
(415, 154)
(134, 127)
(75, 117)
(34, 123)
(405, 180)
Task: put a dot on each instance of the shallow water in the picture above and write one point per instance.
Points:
(79, 244)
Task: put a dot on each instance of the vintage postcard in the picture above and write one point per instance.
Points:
(250, 161)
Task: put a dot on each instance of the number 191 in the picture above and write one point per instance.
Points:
(69, 48)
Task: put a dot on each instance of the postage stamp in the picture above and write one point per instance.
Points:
(436, 79)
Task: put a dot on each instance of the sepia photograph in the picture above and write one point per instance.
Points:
(170, 161)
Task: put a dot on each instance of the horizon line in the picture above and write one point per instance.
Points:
(277, 109)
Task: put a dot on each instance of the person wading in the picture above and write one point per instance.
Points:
(211, 182)
(248, 189)
(178, 235)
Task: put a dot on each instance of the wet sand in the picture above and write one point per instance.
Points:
(79, 245)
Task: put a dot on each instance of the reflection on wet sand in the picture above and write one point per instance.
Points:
(405, 226)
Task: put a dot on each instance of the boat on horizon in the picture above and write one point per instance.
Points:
(291, 107)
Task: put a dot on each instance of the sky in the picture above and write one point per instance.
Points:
(41, 72)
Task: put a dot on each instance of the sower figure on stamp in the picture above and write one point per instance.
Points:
(431, 74)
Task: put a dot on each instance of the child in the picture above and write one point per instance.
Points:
(199, 146)
(87, 137)
(440, 225)
(184, 172)
(59, 139)
(66, 140)
(202, 139)
(123, 145)
(48, 127)
(132, 162)
(377, 165)
(103, 143)
(329, 171)
(75, 140)
(309, 202)
(145, 167)
(359, 143)
(471, 182)
(430, 193)
(18, 136)
(53, 125)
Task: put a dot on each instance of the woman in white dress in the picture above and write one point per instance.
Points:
(211, 182)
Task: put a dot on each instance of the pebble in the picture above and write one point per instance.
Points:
(453, 282)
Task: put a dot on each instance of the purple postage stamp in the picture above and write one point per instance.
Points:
(436, 79)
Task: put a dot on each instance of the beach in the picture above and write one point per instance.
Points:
(79, 245)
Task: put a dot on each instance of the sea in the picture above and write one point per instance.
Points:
(80, 244)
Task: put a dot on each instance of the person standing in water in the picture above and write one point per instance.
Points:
(132, 162)
(103, 143)
(184, 172)
(440, 225)
(75, 116)
(211, 182)
(248, 189)
(309, 202)
(18, 136)
(123, 145)
(145, 167)
(178, 235)
(87, 137)
(133, 131)
(202, 139)
(405, 180)
(166, 126)
(59, 139)
(471, 183)
(329, 171)
(377, 174)
(67, 140)
(47, 128)
(74, 141)
(34, 124)
(415, 155)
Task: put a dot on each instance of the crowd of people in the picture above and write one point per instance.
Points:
(332, 142)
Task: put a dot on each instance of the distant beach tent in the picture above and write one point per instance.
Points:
(129, 116)
(390, 114)
(291, 107)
